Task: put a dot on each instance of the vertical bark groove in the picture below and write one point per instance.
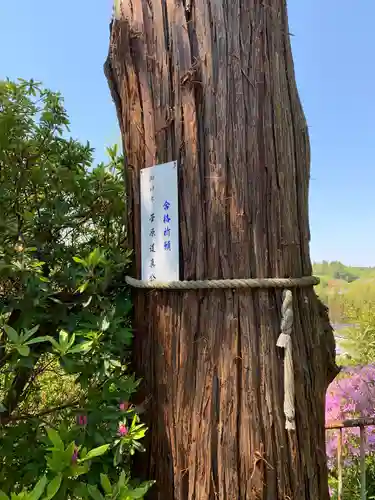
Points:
(213, 86)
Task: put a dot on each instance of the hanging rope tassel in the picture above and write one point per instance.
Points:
(285, 342)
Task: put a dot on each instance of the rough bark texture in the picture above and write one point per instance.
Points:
(211, 83)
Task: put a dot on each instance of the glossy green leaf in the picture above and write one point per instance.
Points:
(53, 487)
(105, 324)
(63, 338)
(55, 438)
(23, 350)
(30, 333)
(11, 333)
(83, 287)
(96, 452)
(94, 492)
(37, 492)
(38, 340)
(79, 260)
(141, 491)
(106, 483)
(83, 347)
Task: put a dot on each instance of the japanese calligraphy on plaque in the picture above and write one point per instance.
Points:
(159, 223)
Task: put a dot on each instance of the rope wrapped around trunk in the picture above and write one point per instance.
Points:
(284, 340)
(231, 283)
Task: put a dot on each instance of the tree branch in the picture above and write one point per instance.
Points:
(28, 416)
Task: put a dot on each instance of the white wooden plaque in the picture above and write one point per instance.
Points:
(159, 223)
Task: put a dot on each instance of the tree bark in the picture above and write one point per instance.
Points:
(210, 83)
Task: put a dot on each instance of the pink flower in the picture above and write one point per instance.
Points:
(122, 430)
(81, 420)
(124, 405)
(75, 455)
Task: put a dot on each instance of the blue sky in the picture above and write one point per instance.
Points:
(64, 44)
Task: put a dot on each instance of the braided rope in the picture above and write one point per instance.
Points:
(227, 283)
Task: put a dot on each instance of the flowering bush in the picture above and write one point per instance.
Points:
(67, 427)
(350, 396)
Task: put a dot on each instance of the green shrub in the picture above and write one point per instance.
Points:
(352, 480)
(67, 428)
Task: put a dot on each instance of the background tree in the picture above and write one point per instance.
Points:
(358, 312)
(211, 84)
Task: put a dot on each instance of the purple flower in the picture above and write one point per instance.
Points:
(122, 430)
(75, 455)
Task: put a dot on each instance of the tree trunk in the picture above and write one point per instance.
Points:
(210, 83)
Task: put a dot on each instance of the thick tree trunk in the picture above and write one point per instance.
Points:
(210, 83)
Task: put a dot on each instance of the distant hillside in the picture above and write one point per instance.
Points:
(338, 281)
(331, 271)
(349, 293)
